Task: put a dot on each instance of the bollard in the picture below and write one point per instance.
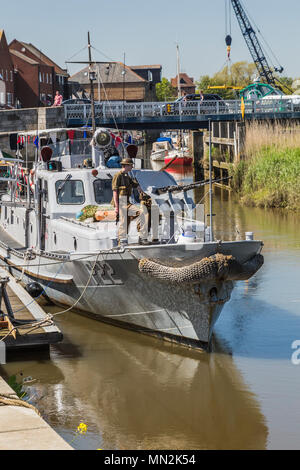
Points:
(249, 236)
(2, 352)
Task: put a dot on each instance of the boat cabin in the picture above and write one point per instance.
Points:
(43, 207)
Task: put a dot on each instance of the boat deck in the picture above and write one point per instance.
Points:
(10, 241)
(24, 307)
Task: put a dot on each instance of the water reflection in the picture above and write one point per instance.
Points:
(137, 392)
(134, 392)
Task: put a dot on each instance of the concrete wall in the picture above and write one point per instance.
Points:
(29, 119)
(23, 429)
(18, 120)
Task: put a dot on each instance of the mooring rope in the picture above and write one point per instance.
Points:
(8, 400)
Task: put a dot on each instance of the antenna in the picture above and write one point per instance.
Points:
(92, 76)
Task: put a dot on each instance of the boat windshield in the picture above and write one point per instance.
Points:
(71, 147)
(69, 192)
(103, 191)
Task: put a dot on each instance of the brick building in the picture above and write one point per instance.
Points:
(151, 73)
(186, 83)
(38, 76)
(114, 82)
(7, 75)
(34, 81)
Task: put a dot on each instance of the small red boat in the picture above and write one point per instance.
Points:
(179, 160)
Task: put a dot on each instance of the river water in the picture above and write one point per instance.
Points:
(137, 392)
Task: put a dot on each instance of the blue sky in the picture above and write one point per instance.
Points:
(147, 31)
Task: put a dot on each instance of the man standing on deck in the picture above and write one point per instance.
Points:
(122, 186)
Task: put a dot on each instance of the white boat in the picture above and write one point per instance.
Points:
(165, 151)
(174, 289)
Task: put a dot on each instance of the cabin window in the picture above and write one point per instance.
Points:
(69, 192)
(103, 191)
(45, 191)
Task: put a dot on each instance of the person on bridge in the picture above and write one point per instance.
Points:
(57, 99)
(122, 186)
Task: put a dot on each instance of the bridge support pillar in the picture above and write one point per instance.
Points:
(150, 136)
(197, 151)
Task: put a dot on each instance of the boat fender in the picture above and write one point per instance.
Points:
(34, 289)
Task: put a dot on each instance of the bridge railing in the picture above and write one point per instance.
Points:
(110, 110)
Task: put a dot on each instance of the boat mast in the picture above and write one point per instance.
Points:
(92, 76)
(211, 235)
(179, 89)
(178, 72)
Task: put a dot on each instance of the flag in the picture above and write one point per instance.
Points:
(71, 135)
(243, 107)
(118, 141)
(36, 141)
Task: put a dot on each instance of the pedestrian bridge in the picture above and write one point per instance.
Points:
(177, 115)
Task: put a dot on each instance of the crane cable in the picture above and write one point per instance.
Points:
(228, 39)
(276, 69)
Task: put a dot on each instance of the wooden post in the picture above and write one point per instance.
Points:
(197, 150)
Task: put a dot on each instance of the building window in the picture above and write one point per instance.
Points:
(11, 75)
(40, 77)
(9, 99)
(50, 78)
(2, 97)
(6, 75)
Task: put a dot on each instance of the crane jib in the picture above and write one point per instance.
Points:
(253, 44)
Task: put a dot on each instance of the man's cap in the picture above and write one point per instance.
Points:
(127, 161)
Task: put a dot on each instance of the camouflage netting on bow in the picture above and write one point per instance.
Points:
(216, 267)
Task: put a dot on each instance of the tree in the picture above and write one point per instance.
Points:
(239, 74)
(286, 84)
(204, 82)
(165, 91)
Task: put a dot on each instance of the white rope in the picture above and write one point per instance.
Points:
(84, 290)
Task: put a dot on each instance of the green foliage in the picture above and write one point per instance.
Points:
(272, 178)
(203, 83)
(240, 74)
(237, 172)
(286, 84)
(16, 386)
(165, 91)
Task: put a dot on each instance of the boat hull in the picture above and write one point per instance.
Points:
(112, 289)
(183, 314)
(179, 161)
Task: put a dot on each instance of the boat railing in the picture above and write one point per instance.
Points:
(139, 110)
